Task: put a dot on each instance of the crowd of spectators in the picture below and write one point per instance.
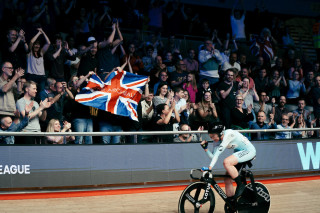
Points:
(49, 53)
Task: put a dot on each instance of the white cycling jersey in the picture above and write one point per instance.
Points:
(243, 148)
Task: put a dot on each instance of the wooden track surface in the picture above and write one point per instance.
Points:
(301, 196)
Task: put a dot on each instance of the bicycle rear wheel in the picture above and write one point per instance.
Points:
(197, 197)
(248, 197)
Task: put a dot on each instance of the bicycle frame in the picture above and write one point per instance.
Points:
(211, 181)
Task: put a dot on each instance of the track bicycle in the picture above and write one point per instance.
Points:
(199, 196)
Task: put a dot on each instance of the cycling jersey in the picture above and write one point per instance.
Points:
(243, 148)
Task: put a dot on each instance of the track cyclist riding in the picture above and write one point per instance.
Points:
(243, 151)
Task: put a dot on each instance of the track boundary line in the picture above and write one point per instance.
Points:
(47, 195)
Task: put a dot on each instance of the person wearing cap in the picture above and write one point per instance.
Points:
(106, 54)
(89, 61)
(243, 151)
(58, 53)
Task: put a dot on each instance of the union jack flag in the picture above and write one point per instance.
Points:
(262, 47)
(119, 94)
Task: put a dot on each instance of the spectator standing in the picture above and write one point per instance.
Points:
(158, 68)
(210, 59)
(15, 49)
(296, 68)
(191, 63)
(277, 84)
(54, 126)
(106, 52)
(163, 78)
(280, 109)
(232, 63)
(237, 22)
(58, 101)
(248, 95)
(89, 61)
(9, 88)
(244, 73)
(148, 60)
(178, 77)
(135, 61)
(155, 14)
(227, 91)
(169, 62)
(262, 81)
(58, 54)
(296, 88)
(191, 87)
(35, 68)
(37, 112)
(309, 82)
(262, 106)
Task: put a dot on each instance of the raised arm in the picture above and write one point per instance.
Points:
(47, 45)
(110, 39)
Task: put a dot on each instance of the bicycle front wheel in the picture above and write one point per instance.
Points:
(197, 197)
(246, 202)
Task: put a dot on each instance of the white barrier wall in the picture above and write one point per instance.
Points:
(67, 165)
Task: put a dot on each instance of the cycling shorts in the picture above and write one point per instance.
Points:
(244, 155)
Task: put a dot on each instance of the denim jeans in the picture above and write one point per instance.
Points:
(83, 125)
(108, 127)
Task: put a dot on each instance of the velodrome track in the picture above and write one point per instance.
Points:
(295, 194)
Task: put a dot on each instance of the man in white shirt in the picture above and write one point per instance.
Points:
(237, 22)
(210, 59)
(232, 63)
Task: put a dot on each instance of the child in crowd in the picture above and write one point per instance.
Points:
(191, 87)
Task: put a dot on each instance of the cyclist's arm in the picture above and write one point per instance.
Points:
(226, 140)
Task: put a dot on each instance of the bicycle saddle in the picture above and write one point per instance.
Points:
(244, 164)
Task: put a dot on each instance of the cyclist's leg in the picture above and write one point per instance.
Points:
(240, 156)
(229, 187)
(229, 164)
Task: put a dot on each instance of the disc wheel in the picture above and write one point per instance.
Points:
(248, 197)
(197, 197)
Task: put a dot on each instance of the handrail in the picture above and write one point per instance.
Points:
(144, 132)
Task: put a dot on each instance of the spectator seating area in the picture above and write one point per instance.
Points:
(200, 70)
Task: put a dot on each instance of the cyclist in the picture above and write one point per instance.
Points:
(243, 151)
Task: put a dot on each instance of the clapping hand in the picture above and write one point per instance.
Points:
(45, 104)
(28, 107)
(249, 108)
(66, 125)
(40, 30)
(19, 72)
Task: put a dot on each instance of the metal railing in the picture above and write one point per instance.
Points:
(144, 132)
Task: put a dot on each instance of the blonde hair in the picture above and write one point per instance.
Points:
(193, 82)
(50, 127)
